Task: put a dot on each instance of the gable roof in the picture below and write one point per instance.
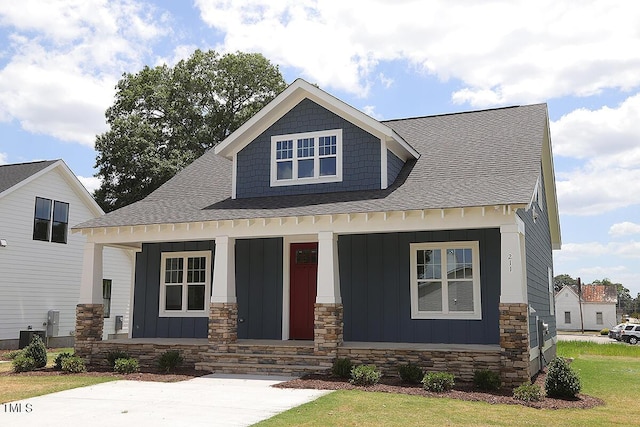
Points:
(480, 158)
(607, 294)
(14, 176)
(289, 98)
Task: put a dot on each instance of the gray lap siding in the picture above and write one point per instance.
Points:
(360, 155)
(375, 288)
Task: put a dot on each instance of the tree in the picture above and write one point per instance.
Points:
(163, 118)
(562, 280)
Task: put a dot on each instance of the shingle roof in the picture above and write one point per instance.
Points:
(13, 174)
(600, 293)
(481, 158)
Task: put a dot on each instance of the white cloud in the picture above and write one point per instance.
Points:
(580, 251)
(3, 158)
(503, 52)
(64, 58)
(624, 229)
(91, 183)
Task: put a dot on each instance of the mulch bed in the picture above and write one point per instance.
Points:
(156, 376)
(462, 391)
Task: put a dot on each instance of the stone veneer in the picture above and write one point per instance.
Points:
(223, 326)
(514, 342)
(147, 354)
(328, 327)
(89, 326)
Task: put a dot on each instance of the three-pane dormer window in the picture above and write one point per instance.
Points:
(306, 158)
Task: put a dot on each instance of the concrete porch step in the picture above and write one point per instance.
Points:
(260, 368)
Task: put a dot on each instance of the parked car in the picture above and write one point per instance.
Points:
(614, 333)
(630, 334)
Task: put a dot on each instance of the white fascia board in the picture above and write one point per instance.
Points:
(354, 223)
(289, 98)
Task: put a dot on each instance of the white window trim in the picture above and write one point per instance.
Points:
(207, 289)
(316, 179)
(476, 314)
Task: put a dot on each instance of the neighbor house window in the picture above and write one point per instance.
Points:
(185, 283)
(106, 297)
(51, 220)
(567, 317)
(599, 320)
(445, 280)
(306, 158)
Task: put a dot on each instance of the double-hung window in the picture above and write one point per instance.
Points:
(445, 280)
(306, 158)
(185, 284)
(51, 220)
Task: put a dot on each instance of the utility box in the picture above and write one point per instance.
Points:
(53, 323)
(118, 323)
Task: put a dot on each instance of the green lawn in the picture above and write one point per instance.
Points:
(608, 371)
(23, 386)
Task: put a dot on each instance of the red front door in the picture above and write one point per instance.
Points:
(303, 281)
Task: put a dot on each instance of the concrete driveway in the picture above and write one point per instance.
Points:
(217, 399)
(587, 336)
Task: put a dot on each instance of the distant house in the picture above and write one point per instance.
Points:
(41, 261)
(315, 231)
(598, 307)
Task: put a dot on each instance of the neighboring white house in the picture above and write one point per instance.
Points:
(598, 307)
(41, 260)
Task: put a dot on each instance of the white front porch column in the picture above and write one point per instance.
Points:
(224, 271)
(91, 279)
(513, 276)
(328, 274)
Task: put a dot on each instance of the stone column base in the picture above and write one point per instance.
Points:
(514, 343)
(223, 325)
(328, 329)
(89, 326)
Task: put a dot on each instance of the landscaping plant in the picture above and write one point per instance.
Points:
(487, 380)
(23, 363)
(127, 365)
(561, 381)
(528, 392)
(73, 364)
(58, 360)
(438, 381)
(170, 360)
(342, 368)
(114, 355)
(365, 375)
(37, 351)
(410, 373)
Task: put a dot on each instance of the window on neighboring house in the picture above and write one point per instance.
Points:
(599, 320)
(306, 158)
(106, 297)
(445, 280)
(567, 317)
(51, 220)
(185, 283)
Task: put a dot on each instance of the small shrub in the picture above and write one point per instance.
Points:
(37, 351)
(365, 375)
(487, 380)
(127, 365)
(23, 363)
(112, 356)
(58, 360)
(73, 364)
(342, 368)
(438, 381)
(604, 331)
(169, 360)
(410, 373)
(13, 354)
(561, 380)
(528, 393)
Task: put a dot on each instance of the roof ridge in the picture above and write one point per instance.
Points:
(30, 163)
(460, 112)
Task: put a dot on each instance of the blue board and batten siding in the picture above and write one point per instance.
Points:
(146, 295)
(360, 155)
(539, 258)
(375, 287)
(259, 288)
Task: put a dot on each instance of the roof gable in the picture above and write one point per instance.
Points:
(15, 176)
(292, 96)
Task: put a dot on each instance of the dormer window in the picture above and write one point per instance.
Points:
(306, 158)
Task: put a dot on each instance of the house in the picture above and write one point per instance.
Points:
(41, 260)
(594, 310)
(315, 231)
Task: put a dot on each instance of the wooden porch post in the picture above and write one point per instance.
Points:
(328, 309)
(223, 311)
(89, 311)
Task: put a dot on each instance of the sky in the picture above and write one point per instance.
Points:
(60, 61)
